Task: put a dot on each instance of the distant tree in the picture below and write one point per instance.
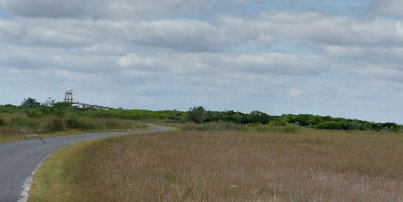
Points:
(197, 114)
(31, 107)
(257, 113)
(30, 103)
(259, 117)
(391, 127)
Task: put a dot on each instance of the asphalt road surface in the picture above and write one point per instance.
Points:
(18, 160)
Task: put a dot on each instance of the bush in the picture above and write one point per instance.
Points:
(8, 108)
(23, 122)
(278, 122)
(197, 114)
(2, 122)
(335, 125)
(73, 123)
(76, 123)
(60, 109)
(56, 124)
(34, 113)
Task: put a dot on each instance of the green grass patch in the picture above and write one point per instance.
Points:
(54, 174)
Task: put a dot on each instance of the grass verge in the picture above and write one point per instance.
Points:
(98, 125)
(227, 165)
(50, 179)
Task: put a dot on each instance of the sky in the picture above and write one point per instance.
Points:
(324, 57)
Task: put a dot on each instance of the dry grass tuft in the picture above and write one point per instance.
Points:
(311, 165)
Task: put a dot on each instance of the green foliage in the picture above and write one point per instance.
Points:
(30, 103)
(73, 123)
(2, 122)
(10, 109)
(23, 122)
(34, 113)
(391, 127)
(278, 122)
(199, 115)
(259, 117)
(135, 114)
(337, 125)
(196, 114)
(60, 109)
(76, 123)
(56, 124)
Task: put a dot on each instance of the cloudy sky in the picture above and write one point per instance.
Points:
(325, 57)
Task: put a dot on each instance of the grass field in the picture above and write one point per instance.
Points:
(227, 165)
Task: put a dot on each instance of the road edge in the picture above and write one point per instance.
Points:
(26, 187)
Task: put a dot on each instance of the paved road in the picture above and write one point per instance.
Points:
(19, 159)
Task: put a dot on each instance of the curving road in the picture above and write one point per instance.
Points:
(18, 160)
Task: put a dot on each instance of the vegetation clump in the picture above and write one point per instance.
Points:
(2, 122)
(34, 116)
(56, 124)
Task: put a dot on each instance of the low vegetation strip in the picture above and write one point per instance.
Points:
(227, 165)
(58, 116)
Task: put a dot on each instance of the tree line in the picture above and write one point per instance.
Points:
(199, 115)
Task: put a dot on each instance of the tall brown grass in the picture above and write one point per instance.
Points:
(311, 165)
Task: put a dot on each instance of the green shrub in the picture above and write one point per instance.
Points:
(34, 113)
(60, 109)
(278, 122)
(56, 124)
(73, 123)
(335, 125)
(76, 123)
(23, 122)
(197, 114)
(2, 122)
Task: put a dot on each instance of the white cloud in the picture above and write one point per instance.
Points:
(388, 7)
(219, 63)
(137, 53)
(178, 34)
(295, 92)
(56, 9)
(103, 9)
(316, 28)
(73, 76)
(379, 72)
